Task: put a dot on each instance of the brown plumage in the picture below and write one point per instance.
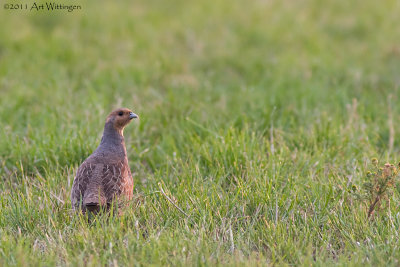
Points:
(105, 176)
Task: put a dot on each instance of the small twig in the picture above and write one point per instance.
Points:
(170, 200)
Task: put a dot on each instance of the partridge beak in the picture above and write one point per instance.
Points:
(133, 116)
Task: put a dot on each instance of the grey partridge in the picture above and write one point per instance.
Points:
(105, 177)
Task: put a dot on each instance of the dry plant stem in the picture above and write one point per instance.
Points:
(372, 206)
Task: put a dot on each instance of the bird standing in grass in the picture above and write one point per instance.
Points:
(105, 177)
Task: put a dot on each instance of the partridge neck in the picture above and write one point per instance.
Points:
(112, 140)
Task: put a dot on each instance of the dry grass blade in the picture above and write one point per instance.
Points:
(171, 201)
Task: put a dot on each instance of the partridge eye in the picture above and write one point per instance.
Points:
(120, 113)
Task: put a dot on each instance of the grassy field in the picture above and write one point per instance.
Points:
(258, 120)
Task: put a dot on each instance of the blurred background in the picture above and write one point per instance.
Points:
(218, 63)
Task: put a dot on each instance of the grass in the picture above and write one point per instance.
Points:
(257, 118)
